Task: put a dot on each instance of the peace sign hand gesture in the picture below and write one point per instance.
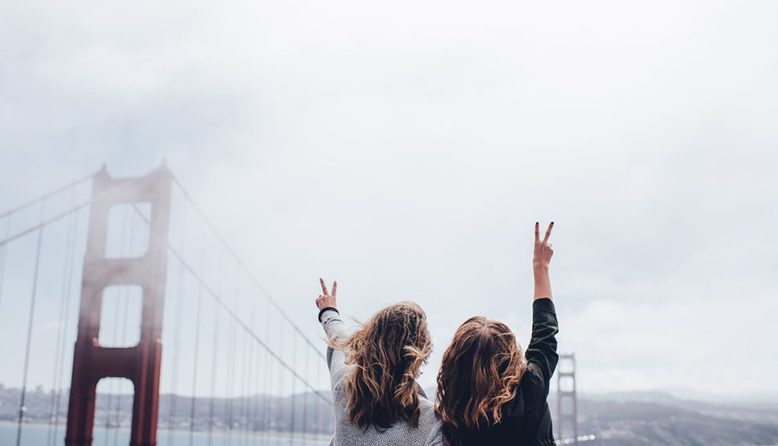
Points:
(540, 261)
(326, 299)
(543, 251)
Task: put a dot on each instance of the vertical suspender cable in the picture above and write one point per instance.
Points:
(319, 424)
(66, 319)
(306, 367)
(173, 403)
(177, 339)
(3, 253)
(214, 371)
(214, 361)
(194, 369)
(257, 377)
(238, 383)
(196, 354)
(61, 321)
(228, 406)
(246, 397)
(250, 375)
(280, 372)
(230, 380)
(294, 388)
(268, 381)
(30, 322)
(242, 395)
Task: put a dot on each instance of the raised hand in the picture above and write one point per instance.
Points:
(326, 299)
(540, 262)
(543, 251)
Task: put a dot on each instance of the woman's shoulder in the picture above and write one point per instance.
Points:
(532, 394)
(429, 422)
(532, 379)
(528, 392)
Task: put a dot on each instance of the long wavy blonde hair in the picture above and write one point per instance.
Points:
(388, 352)
(479, 374)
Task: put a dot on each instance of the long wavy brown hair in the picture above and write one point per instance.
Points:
(388, 352)
(479, 374)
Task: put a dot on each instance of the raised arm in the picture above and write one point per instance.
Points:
(541, 353)
(334, 328)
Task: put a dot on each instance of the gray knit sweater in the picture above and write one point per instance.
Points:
(347, 434)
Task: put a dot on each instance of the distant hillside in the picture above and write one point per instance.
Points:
(301, 413)
(636, 419)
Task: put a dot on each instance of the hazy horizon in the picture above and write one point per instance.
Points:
(627, 395)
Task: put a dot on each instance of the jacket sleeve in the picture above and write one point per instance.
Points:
(336, 331)
(541, 354)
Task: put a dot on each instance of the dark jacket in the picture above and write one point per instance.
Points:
(527, 420)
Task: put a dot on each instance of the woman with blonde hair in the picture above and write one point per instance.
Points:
(488, 393)
(373, 372)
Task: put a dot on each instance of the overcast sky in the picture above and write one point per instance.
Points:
(407, 148)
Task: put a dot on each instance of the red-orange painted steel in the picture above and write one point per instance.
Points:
(140, 364)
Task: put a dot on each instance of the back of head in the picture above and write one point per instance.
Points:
(388, 352)
(478, 376)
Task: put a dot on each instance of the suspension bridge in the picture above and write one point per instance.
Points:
(90, 273)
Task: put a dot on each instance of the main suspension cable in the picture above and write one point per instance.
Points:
(43, 197)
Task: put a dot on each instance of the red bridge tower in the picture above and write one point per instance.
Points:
(140, 363)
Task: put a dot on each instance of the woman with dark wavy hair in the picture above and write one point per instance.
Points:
(373, 375)
(488, 393)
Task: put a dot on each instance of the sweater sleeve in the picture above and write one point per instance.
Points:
(541, 354)
(336, 331)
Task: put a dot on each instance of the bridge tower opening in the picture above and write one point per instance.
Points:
(140, 363)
